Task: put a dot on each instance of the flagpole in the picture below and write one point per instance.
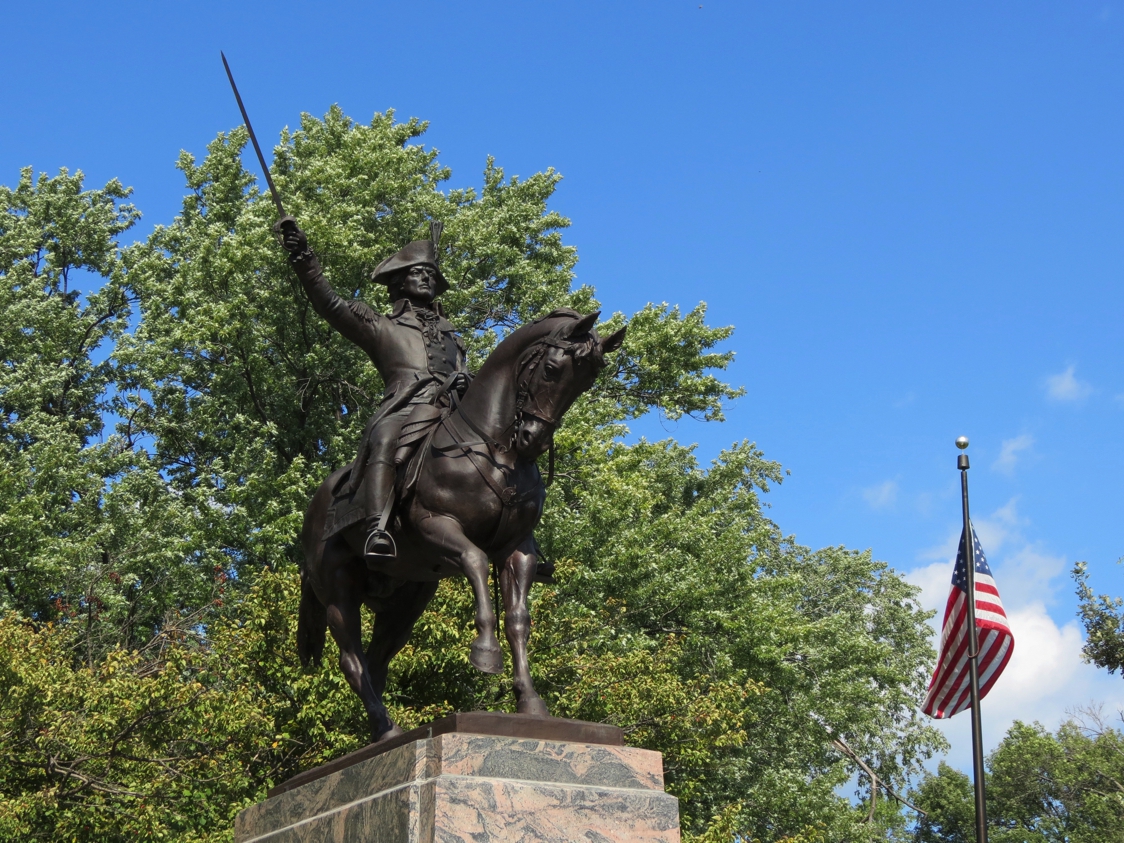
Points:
(973, 648)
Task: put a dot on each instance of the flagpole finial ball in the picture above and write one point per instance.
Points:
(961, 442)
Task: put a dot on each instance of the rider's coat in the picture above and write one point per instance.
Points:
(414, 349)
(408, 346)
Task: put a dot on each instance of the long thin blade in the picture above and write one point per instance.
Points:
(253, 138)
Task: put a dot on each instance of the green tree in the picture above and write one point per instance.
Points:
(1103, 619)
(680, 612)
(1066, 787)
(948, 801)
(87, 525)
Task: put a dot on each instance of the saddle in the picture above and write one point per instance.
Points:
(419, 427)
(346, 507)
(417, 431)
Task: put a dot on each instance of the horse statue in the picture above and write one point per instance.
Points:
(470, 496)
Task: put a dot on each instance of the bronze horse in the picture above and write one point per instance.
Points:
(477, 497)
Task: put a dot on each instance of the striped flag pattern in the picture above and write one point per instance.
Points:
(949, 690)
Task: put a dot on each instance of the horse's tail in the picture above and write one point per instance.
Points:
(312, 617)
(312, 624)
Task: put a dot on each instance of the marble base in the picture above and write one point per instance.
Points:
(469, 788)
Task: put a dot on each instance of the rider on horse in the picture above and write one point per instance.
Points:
(415, 348)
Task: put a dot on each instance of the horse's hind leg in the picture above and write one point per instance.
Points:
(515, 579)
(345, 622)
(393, 626)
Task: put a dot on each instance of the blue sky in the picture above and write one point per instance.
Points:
(912, 216)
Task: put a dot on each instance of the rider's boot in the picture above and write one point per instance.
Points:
(379, 482)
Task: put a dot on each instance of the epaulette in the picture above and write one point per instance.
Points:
(362, 311)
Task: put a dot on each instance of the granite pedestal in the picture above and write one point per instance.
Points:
(458, 781)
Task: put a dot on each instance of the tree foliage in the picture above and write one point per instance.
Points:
(1066, 787)
(148, 653)
(88, 528)
(1103, 619)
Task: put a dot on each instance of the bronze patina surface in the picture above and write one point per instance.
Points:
(446, 481)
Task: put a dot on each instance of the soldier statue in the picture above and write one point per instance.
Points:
(415, 349)
(474, 492)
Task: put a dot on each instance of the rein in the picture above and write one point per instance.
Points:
(488, 440)
(508, 495)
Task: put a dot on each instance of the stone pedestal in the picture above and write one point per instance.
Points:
(447, 783)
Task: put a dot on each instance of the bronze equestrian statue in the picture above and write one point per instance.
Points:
(446, 481)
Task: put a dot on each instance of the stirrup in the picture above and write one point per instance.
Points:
(379, 547)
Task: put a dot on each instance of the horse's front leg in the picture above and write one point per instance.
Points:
(445, 536)
(515, 579)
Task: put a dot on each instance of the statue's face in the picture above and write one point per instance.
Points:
(419, 284)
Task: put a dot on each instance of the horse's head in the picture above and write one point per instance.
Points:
(551, 374)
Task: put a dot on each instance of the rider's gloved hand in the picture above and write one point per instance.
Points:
(462, 382)
(292, 238)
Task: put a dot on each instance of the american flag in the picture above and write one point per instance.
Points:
(949, 690)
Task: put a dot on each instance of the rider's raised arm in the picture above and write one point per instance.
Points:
(355, 320)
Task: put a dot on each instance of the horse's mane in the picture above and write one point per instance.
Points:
(587, 345)
(517, 355)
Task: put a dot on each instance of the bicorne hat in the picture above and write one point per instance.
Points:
(418, 252)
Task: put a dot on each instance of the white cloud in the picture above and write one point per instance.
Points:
(1046, 660)
(1045, 680)
(1066, 387)
(1026, 575)
(1023, 571)
(934, 581)
(1009, 452)
(945, 551)
(996, 529)
(882, 495)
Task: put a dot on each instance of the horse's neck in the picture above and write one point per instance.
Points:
(490, 401)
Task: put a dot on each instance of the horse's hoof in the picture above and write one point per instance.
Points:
(533, 707)
(394, 731)
(486, 656)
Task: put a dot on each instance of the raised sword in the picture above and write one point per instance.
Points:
(253, 139)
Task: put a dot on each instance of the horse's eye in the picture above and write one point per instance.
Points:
(550, 370)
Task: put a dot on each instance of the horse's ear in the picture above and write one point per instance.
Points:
(613, 341)
(583, 325)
